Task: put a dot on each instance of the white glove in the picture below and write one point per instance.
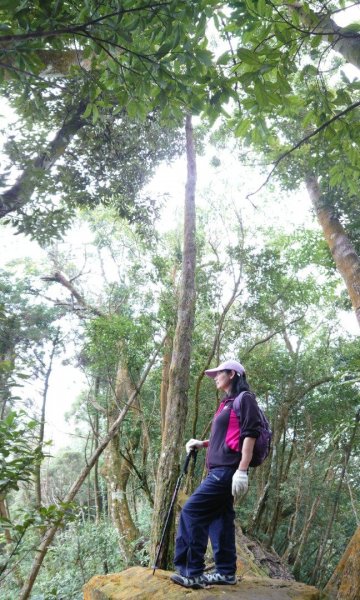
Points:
(240, 483)
(191, 444)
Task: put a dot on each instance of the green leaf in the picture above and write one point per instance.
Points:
(205, 57)
(223, 58)
(261, 8)
(164, 49)
(309, 119)
(88, 111)
(243, 128)
(248, 56)
(352, 27)
(283, 85)
(132, 108)
(95, 114)
(260, 93)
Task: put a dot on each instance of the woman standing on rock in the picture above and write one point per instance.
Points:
(209, 512)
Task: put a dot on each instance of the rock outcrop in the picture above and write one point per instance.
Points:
(255, 559)
(138, 583)
(261, 573)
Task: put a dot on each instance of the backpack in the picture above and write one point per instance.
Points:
(263, 442)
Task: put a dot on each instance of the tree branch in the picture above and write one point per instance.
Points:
(305, 390)
(81, 27)
(271, 335)
(59, 277)
(303, 141)
(20, 193)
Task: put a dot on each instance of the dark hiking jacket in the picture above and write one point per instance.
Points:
(228, 431)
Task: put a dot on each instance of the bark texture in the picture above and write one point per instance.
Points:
(56, 63)
(20, 193)
(346, 259)
(43, 416)
(177, 401)
(118, 470)
(165, 379)
(343, 41)
(345, 581)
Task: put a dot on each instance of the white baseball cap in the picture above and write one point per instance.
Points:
(231, 365)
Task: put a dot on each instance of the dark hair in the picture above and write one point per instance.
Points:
(238, 384)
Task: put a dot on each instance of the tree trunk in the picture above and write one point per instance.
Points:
(282, 478)
(177, 400)
(118, 475)
(344, 584)
(346, 259)
(97, 489)
(343, 41)
(20, 193)
(165, 378)
(42, 418)
(118, 471)
(293, 397)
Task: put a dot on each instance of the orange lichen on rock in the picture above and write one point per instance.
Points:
(138, 583)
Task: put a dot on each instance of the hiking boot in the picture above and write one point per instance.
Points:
(196, 583)
(219, 579)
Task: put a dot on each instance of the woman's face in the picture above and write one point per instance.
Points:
(223, 380)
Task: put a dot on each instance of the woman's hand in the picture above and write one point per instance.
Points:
(240, 483)
(191, 444)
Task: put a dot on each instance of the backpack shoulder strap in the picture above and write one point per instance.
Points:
(237, 402)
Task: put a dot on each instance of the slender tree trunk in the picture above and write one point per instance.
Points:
(119, 473)
(282, 478)
(4, 514)
(118, 468)
(97, 490)
(288, 554)
(165, 378)
(291, 534)
(9, 356)
(42, 418)
(272, 478)
(177, 400)
(346, 259)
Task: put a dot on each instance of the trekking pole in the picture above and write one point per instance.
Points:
(192, 453)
